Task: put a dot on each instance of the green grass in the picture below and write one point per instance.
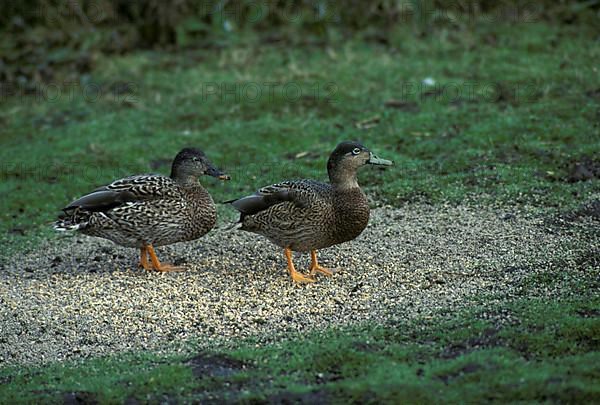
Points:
(516, 146)
(546, 352)
(526, 113)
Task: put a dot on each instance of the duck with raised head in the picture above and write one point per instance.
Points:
(148, 210)
(307, 215)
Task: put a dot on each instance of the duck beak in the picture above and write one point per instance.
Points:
(213, 171)
(374, 160)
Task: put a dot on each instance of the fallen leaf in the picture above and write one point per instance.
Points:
(410, 106)
(368, 123)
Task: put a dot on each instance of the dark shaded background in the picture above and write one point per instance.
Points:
(43, 39)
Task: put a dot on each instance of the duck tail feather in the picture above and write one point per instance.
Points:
(236, 225)
(63, 226)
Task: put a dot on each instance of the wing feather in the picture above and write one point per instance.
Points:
(299, 192)
(127, 190)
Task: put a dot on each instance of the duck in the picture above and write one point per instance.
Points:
(149, 210)
(307, 215)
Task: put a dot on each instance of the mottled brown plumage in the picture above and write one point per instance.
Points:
(306, 215)
(148, 210)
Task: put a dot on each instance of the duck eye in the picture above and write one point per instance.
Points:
(356, 151)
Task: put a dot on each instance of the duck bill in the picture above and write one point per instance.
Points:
(213, 171)
(374, 160)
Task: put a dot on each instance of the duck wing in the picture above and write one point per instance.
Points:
(299, 192)
(129, 189)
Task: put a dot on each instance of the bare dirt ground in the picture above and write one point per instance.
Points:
(76, 296)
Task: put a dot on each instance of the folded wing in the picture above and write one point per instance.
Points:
(298, 192)
(122, 191)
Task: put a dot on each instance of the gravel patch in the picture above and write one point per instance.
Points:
(76, 297)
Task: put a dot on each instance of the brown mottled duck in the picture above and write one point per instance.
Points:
(149, 210)
(307, 215)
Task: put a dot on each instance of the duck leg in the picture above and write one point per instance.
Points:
(144, 258)
(157, 265)
(296, 276)
(315, 267)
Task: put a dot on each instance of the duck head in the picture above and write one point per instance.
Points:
(346, 159)
(191, 163)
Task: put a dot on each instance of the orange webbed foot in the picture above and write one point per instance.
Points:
(315, 267)
(301, 278)
(296, 276)
(323, 270)
(167, 267)
(158, 266)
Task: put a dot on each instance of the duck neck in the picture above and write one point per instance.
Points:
(343, 181)
(184, 179)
